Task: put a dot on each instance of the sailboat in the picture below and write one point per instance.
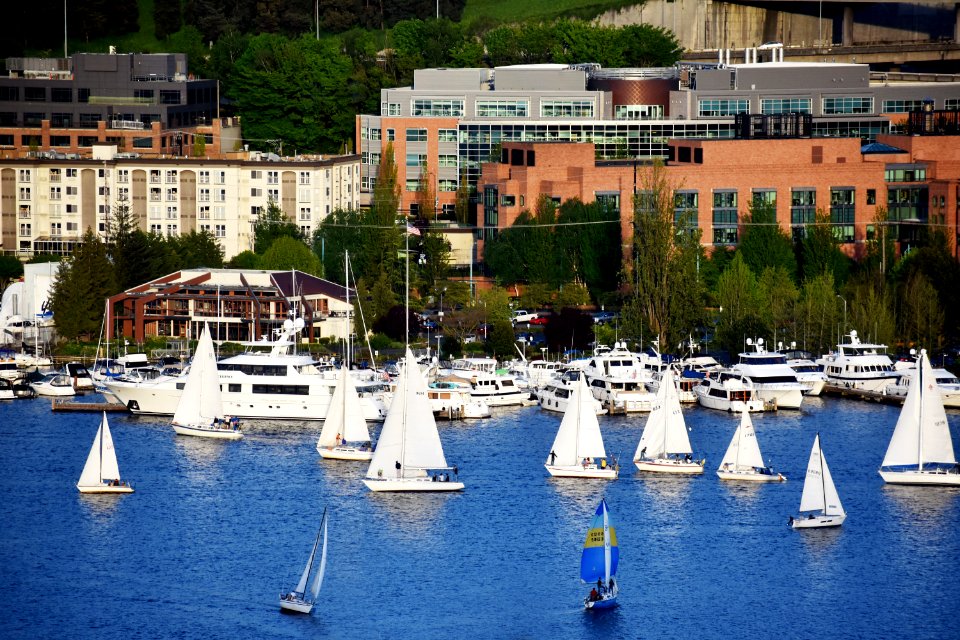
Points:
(409, 455)
(599, 560)
(577, 450)
(101, 473)
(299, 600)
(819, 495)
(921, 450)
(344, 435)
(664, 445)
(743, 460)
(200, 409)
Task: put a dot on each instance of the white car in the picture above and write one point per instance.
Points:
(522, 317)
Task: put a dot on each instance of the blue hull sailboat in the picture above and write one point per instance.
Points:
(599, 560)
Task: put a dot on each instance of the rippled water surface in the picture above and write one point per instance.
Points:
(216, 529)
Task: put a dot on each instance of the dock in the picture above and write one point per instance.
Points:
(861, 394)
(74, 405)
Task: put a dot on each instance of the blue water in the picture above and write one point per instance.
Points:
(216, 530)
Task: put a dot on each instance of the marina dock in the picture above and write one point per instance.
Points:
(860, 394)
(75, 405)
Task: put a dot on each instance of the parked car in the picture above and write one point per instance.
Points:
(540, 320)
(522, 316)
(603, 317)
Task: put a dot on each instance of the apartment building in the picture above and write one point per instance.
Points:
(46, 204)
(144, 103)
(452, 120)
(914, 178)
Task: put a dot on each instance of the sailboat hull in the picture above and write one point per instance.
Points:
(345, 453)
(207, 432)
(606, 601)
(819, 521)
(665, 465)
(579, 471)
(751, 476)
(411, 484)
(295, 606)
(105, 488)
(937, 478)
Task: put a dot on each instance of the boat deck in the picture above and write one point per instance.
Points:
(861, 394)
(74, 405)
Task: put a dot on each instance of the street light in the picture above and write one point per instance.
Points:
(844, 311)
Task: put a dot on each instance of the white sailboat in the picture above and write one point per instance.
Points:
(577, 450)
(664, 445)
(921, 450)
(409, 455)
(200, 409)
(743, 460)
(300, 600)
(344, 435)
(820, 503)
(101, 473)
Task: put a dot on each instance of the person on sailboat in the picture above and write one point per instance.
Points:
(398, 467)
(594, 596)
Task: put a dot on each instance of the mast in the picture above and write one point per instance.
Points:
(919, 381)
(406, 341)
(606, 544)
(101, 453)
(823, 479)
(736, 466)
(346, 325)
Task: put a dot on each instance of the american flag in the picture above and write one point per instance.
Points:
(412, 230)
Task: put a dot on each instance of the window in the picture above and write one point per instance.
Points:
(447, 184)
(169, 96)
(374, 134)
(171, 176)
(685, 205)
(725, 217)
(842, 212)
(951, 104)
(220, 230)
(156, 228)
(220, 177)
(155, 194)
(273, 194)
(203, 212)
(55, 193)
(72, 208)
(256, 174)
(154, 176)
(172, 213)
(219, 212)
(638, 112)
(871, 196)
(786, 105)
(413, 184)
(203, 195)
(35, 94)
(220, 195)
(71, 173)
(9, 94)
(502, 108)
(24, 193)
(25, 229)
(203, 177)
(905, 173)
(566, 108)
(303, 177)
(803, 206)
(508, 200)
(416, 159)
(24, 175)
(61, 94)
(61, 120)
(305, 213)
(256, 192)
(766, 197)
(446, 108)
(448, 160)
(172, 193)
(901, 106)
(416, 135)
(390, 134)
(24, 211)
(54, 175)
(447, 135)
(56, 228)
(273, 177)
(852, 104)
(171, 230)
(72, 226)
(717, 108)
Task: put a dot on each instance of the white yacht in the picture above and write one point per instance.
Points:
(859, 365)
(809, 374)
(452, 400)
(556, 395)
(618, 379)
(728, 391)
(947, 383)
(538, 372)
(495, 388)
(773, 380)
(278, 385)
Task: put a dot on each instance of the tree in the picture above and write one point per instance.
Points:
(764, 243)
(244, 260)
(197, 249)
(921, 316)
(817, 314)
(272, 224)
(821, 250)
(573, 294)
(570, 329)
(82, 283)
(464, 211)
(10, 269)
(871, 307)
(778, 299)
(502, 341)
(393, 324)
(739, 297)
(434, 262)
(287, 253)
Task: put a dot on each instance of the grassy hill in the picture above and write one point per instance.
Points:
(513, 11)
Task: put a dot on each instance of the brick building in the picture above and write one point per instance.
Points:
(916, 178)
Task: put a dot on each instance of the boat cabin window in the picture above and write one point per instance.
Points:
(284, 389)
(233, 388)
(506, 383)
(255, 369)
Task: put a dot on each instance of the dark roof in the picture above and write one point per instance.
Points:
(309, 285)
(879, 147)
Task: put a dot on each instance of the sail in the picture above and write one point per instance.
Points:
(200, 401)
(345, 415)
(922, 423)
(744, 450)
(831, 497)
(318, 576)
(305, 576)
(666, 430)
(601, 555)
(102, 461)
(579, 434)
(812, 498)
(409, 434)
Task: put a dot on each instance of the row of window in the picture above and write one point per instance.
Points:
(170, 176)
(854, 105)
(65, 94)
(502, 108)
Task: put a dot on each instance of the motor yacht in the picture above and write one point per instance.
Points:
(728, 391)
(773, 381)
(859, 365)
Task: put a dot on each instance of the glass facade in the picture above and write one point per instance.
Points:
(725, 217)
(444, 108)
(803, 210)
(849, 104)
(571, 108)
(717, 108)
(786, 105)
(502, 108)
(901, 106)
(843, 212)
(638, 112)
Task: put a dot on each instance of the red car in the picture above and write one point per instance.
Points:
(541, 320)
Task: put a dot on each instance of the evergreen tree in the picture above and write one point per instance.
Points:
(764, 243)
(272, 224)
(10, 269)
(287, 253)
(739, 297)
(80, 287)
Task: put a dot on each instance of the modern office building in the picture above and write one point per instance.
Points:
(914, 178)
(452, 120)
(46, 204)
(238, 305)
(144, 103)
